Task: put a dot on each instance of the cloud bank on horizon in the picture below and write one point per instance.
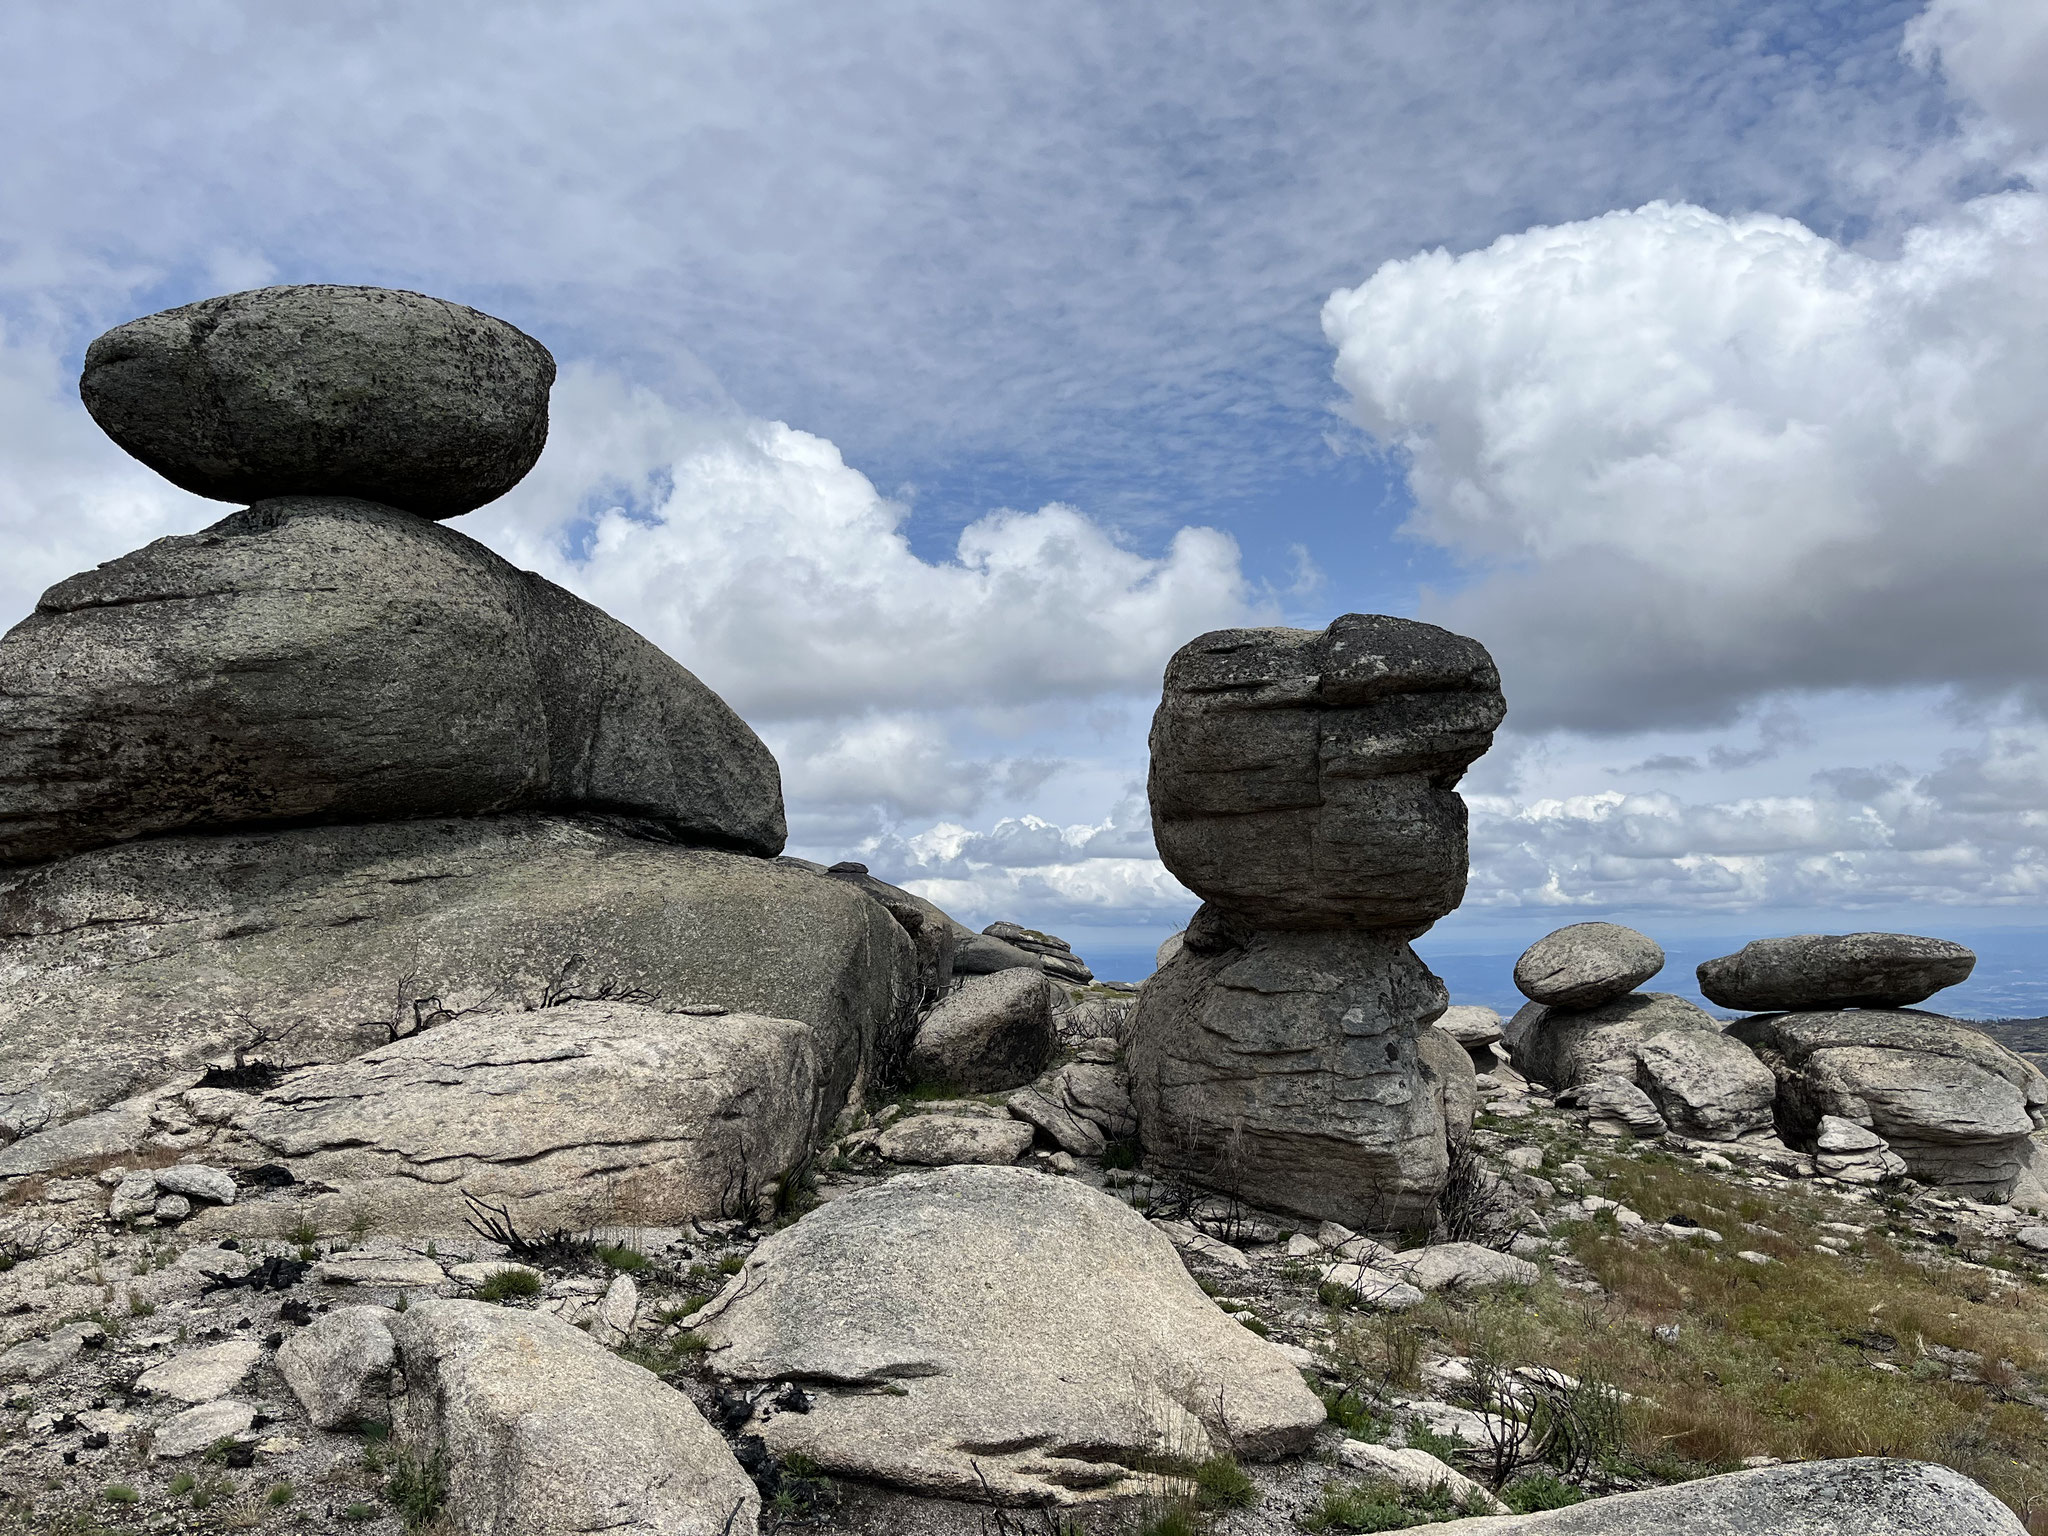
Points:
(923, 396)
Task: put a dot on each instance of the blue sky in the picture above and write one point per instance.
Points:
(932, 371)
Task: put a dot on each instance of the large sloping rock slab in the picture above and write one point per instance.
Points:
(548, 1433)
(1866, 1496)
(997, 1324)
(1850, 970)
(325, 390)
(319, 659)
(127, 967)
(1286, 1068)
(1584, 965)
(564, 1116)
(1954, 1103)
(1307, 778)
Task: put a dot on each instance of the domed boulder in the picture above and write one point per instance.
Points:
(326, 390)
(1816, 970)
(1587, 964)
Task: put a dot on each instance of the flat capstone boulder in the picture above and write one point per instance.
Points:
(981, 1332)
(1811, 971)
(1864, 1496)
(1587, 964)
(326, 390)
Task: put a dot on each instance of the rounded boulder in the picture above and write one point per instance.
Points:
(1819, 970)
(1587, 964)
(322, 389)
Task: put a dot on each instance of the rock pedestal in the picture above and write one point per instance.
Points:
(1304, 784)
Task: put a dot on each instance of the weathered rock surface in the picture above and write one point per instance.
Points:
(196, 1429)
(1853, 970)
(1866, 1496)
(552, 1114)
(1705, 1084)
(1459, 1267)
(340, 1367)
(1448, 1070)
(1616, 1104)
(998, 1323)
(939, 1141)
(1561, 1047)
(978, 954)
(1587, 964)
(1416, 1471)
(1472, 1025)
(201, 1375)
(325, 390)
(548, 1432)
(932, 933)
(1054, 953)
(1307, 779)
(995, 1032)
(254, 673)
(35, 1359)
(1954, 1103)
(1286, 1069)
(314, 944)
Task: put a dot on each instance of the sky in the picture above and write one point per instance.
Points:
(930, 372)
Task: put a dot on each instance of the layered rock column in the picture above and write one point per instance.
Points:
(1304, 784)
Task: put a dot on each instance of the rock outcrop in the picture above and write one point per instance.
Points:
(1586, 964)
(316, 944)
(545, 1430)
(1055, 955)
(1476, 1028)
(1812, 971)
(976, 1331)
(1957, 1106)
(1866, 1496)
(325, 390)
(1304, 785)
(253, 674)
(1648, 1059)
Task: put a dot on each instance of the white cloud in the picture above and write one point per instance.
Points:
(1699, 459)
(1995, 54)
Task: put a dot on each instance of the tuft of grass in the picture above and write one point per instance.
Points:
(1538, 1491)
(183, 1484)
(418, 1486)
(618, 1256)
(303, 1233)
(731, 1264)
(137, 1307)
(509, 1284)
(361, 1512)
(1220, 1483)
(120, 1493)
(280, 1494)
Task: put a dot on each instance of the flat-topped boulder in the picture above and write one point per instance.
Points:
(1852, 970)
(1288, 1069)
(326, 390)
(1956, 1105)
(1587, 964)
(1307, 778)
(319, 943)
(313, 659)
(997, 1331)
(557, 1116)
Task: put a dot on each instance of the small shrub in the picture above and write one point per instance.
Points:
(731, 1264)
(1349, 1507)
(137, 1307)
(183, 1484)
(1122, 1154)
(508, 1284)
(303, 1232)
(1539, 1491)
(121, 1493)
(360, 1512)
(1220, 1483)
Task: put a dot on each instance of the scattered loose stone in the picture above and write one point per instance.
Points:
(190, 1432)
(197, 1182)
(1462, 1266)
(35, 1359)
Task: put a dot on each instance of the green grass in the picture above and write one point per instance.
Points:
(280, 1494)
(508, 1284)
(618, 1256)
(418, 1486)
(183, 1484)
(1539, 1491)
(121, 1493)
(361, 1512)
(731, 1264)
(1380, 1505)
(1220, 1483)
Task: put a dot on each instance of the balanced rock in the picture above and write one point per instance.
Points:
(1286, 1068)
(327, 660)
(316, 944)
(1475, 1028)
(546, 1430)
(993, 1033)
(978, 1331)
(324, 390)
(554, 1115)
(1956, 1105)
(1587, 964)
(1308, 779)
(1866, 1496)
(1811, 971)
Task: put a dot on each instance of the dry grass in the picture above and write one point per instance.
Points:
(1785, 1359)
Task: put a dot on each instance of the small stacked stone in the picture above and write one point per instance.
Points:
(1636, 1063)
(1304, 784)
(331, 653)
(1057, 955)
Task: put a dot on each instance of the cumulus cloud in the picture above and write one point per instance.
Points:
(1700, 458)
(1994, 53)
